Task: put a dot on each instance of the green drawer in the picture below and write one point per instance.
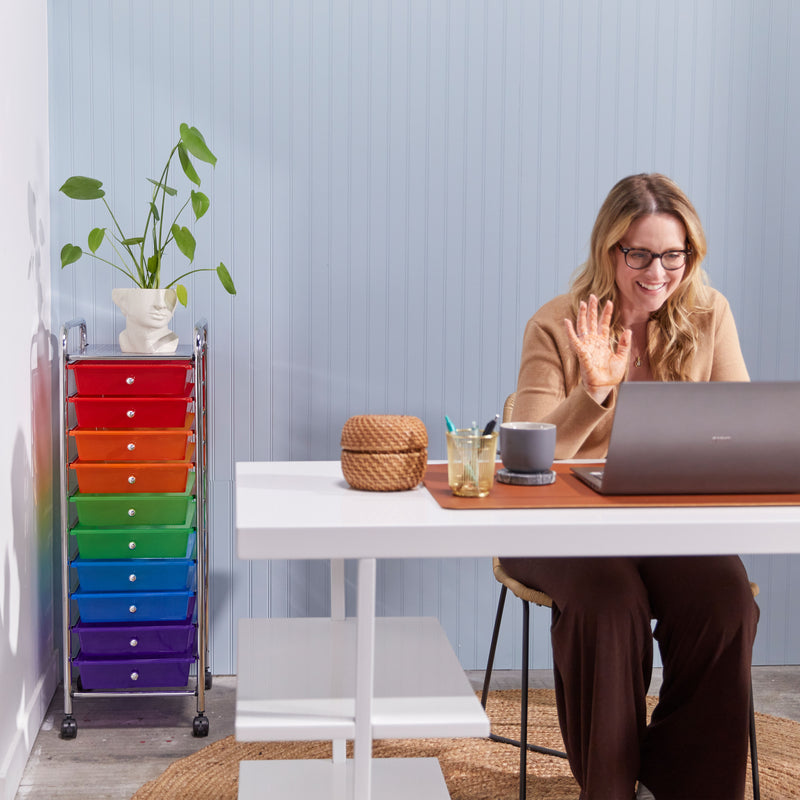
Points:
(163, 541)
(115, 510)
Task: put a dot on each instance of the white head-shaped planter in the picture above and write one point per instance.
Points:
(147, 314)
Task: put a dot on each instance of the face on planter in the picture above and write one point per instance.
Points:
(150, 310)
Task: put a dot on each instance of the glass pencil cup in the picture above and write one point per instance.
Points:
(470, 462)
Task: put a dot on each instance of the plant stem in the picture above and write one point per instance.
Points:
(162, 183)
(190, 272)
(122, 235)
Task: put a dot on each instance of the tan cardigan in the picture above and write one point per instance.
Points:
(549, 388)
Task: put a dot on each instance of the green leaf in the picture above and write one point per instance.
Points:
(130, 242)
(183, 295)
(153, 263)
(200, 204)
(70, 253)
(80, 188)
(154, 210)
(168, 189)
(184, 240)
(196, 144)
(186, 163)
(96, 237)
(225, 279)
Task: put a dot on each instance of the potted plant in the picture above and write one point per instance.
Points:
(149, 304)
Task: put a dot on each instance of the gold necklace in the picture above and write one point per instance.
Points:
(637, 361)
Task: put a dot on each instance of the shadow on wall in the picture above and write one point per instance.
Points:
(44, 444)
(27, 560)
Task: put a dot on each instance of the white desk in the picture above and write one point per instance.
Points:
(340, 679)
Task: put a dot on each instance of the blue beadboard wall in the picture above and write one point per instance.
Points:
(400, 185)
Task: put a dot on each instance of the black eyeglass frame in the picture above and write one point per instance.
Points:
(653, 257)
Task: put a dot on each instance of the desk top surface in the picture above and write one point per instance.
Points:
(305, 509)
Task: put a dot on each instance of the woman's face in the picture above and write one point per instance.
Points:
(641, 292)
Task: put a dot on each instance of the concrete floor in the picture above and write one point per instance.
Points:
(122, 742)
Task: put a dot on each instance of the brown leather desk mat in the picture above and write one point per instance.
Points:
(569, 492)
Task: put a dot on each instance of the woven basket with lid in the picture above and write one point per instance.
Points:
(384, 452)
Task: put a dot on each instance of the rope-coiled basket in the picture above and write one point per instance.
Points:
(384, 452)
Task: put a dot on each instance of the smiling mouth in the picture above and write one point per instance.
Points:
(651, 287)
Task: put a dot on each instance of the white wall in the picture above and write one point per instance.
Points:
(28, 658)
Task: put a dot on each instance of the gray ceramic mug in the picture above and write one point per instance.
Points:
(527, 446)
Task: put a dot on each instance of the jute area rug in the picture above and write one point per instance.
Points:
(474, 769)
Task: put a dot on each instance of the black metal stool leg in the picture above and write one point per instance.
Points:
(493, 648)
(523, 712)
(753, 749)
(522, 742)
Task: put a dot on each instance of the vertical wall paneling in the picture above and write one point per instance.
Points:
(400, 185)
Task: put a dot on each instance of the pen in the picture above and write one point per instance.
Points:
(490, 425)
(449, 423)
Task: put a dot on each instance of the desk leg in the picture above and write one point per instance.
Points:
(338, 613)
(337, 588)
(365, 673)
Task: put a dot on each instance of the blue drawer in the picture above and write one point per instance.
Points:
(134, 640)
(136, 574)
(133, 606)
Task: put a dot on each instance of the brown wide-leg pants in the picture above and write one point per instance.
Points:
(695, 747)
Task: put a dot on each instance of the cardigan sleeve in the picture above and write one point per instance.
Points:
(728, 361)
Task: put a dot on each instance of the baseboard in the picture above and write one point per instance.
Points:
(13, 766)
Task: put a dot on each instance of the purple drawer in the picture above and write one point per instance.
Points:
(134, 641)
(133, 673)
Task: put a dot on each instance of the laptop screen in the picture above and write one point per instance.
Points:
(704, 438)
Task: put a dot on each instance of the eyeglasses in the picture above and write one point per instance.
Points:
(641, 259)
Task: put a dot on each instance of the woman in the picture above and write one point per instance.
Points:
(640, 309)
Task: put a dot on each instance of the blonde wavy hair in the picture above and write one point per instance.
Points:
(671, 350)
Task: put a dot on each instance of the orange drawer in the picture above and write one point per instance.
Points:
(128, 477)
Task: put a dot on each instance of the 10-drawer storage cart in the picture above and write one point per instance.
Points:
(134, 523)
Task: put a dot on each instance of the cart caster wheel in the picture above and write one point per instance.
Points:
(200, 726)
(69, 728)
(209, 680)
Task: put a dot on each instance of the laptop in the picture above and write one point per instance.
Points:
(702, 438)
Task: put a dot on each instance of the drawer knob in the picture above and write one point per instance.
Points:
(131, 446)
(131, 479)
(134, 676)
(131, 512)
(132, 577)
(130, 414)
(132, 609)
(134, 642)
(130, 381)
(131, 545)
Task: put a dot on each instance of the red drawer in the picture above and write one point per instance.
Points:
(133, 378)
(132, 476)
(134, 445)
(133, 412)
